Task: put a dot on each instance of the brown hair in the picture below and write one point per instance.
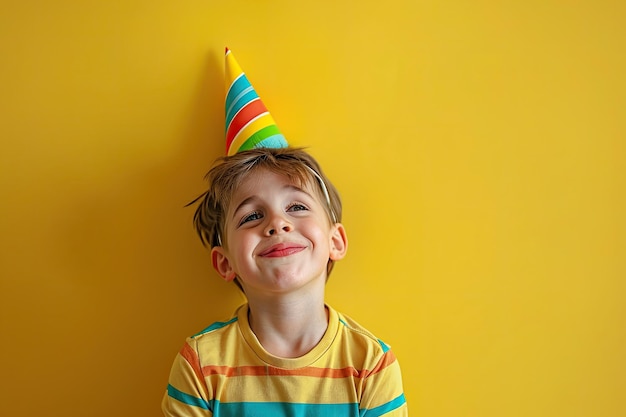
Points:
(229, 172)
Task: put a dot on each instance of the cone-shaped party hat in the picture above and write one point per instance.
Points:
(248, 122)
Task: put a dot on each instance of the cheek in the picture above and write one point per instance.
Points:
(318, 230)
(244, 241)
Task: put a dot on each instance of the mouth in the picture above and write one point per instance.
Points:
(281, 249)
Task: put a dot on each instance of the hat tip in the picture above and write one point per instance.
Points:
(226, 50)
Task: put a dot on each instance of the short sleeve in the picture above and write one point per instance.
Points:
(383, 394)
(187, 393)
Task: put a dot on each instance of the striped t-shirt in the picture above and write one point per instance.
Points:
(224, 371)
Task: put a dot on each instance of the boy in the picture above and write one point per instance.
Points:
(272, 220)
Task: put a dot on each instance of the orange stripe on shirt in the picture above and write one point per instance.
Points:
(229, 371)
(192, 359)
(387, 359)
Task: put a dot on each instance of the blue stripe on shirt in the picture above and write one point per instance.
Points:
(278, 409)
(385, 347)
(215, 326)
(186, 398)
(397, 402)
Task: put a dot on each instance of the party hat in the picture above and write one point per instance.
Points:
(248, 122)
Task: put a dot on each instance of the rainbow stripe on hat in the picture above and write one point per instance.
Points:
(248, 122)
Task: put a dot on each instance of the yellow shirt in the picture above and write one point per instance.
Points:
(224, 371)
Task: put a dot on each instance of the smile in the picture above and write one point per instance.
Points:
(281, 249)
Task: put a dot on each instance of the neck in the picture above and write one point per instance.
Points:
(288, 328)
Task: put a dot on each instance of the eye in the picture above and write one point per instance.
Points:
(255, 215)
(297, 207)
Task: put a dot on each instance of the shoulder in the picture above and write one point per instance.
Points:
(214, 328)
(361, 338)
(214, 345)
(216, 331)
(359, 332)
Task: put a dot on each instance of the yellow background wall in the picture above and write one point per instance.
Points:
(479, 147)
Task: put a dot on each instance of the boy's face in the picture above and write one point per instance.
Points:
(277, 236)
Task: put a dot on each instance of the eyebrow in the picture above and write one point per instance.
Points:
(252, 198)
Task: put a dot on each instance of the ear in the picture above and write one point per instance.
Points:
(221, 263)
(338, 242)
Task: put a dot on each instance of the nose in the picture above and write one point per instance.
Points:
(277, 223)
